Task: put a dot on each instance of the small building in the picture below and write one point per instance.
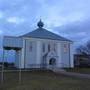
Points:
(41, 49)
(81, 60)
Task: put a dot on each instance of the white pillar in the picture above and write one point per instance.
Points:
(17, 59)
(38, 53)
(22, 55)
(59, 60)
(22, 58)
(71, 56)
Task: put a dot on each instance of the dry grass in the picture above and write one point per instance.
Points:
(43, 80)
(79, 70)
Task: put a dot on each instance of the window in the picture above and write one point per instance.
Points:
(54, 47)
(43, 47)
(48, 47)
(65, 47)
(30, 46)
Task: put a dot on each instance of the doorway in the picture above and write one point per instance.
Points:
(52, 61)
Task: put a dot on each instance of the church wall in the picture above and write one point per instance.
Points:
(30, 54)
(36, 56)
(71, 56)
(59, 54)
(55, 52)
(66, 55)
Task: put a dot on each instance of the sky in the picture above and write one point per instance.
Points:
(68, 18)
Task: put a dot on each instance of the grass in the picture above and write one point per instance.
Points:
(43, 80)
(79, 70)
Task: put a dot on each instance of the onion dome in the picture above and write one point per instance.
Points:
(40, 24)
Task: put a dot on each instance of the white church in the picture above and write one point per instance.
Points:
(40, 49)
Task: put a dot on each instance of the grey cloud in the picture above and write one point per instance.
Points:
(79, 32)
(31, 10)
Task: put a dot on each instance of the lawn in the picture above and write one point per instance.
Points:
(79, 70)
(43, 80)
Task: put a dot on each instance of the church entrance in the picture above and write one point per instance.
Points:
(52, 63)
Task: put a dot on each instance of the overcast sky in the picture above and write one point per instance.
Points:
(68, 18)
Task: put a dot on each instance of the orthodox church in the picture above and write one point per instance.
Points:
(40, 49)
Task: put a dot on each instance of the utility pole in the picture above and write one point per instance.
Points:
(19, 67)
(2, 71)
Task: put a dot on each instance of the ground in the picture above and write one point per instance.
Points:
(79, 70)
(43, 80)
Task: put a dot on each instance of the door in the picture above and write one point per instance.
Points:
(52, 63)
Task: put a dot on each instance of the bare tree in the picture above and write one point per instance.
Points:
(84, 49)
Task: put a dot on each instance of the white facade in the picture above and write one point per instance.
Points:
(36, 57)
(41, 52)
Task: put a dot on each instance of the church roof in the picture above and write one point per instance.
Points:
(42, 33)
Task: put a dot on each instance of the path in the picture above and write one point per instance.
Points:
(71, 74)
